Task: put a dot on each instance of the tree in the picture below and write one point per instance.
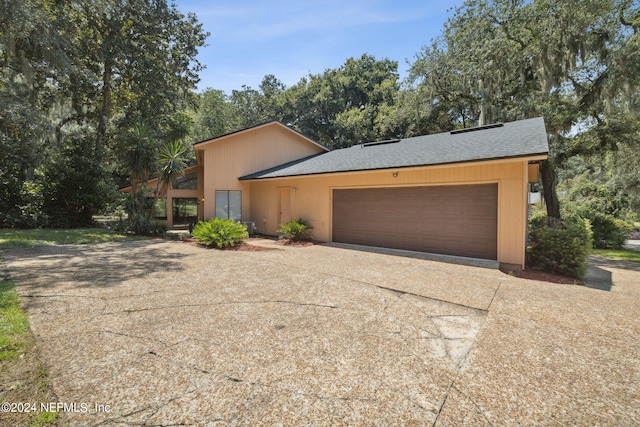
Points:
(144, 53)
(512, 59)
(83, 72)
(341, 107)
(142, 155)
(253, 107)
(32, 53)
(248, 104)
(171, 164)
(213, 116)
(75, 187)
(625, 165)
(338, 108)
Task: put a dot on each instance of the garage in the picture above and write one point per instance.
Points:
(457, 220)
(460, 193)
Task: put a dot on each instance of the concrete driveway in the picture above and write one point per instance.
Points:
(165, 333)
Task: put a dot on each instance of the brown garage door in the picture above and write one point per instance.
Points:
(454, 220)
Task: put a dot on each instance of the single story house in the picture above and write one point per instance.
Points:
(461, 193)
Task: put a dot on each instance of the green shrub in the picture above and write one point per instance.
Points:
(142, 226)
(561, 248)
(609, 232)
(156, 228)
(219, 232)
(295, 230)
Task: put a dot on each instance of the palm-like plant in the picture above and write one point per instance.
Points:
(141, 139)
(171, 165)
(142, 163)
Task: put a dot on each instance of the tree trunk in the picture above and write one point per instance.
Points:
(548, 177)
(105, 111)
(486, 107)
(152, 209)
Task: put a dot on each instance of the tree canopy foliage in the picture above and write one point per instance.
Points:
(575, 63)
(337, 108)
(74, 77)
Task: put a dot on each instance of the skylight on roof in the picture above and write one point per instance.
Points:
(491, 126)
(372, 144)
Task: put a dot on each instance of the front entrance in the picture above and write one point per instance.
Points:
(285, 205)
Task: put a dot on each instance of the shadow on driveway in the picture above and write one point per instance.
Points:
(613, 263)
(598, 278)
(88, 267)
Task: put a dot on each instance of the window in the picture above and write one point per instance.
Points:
(187, 182)
(185, 211)
(160, 210)
(229, 205)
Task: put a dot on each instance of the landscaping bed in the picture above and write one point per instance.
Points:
(242, 247)
(541, 276)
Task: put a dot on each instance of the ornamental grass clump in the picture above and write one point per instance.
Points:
(219, 232)
(295, 230)
(560, 248)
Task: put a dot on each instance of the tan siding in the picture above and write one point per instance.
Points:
(252, 151)
(312, 198)
(534, 172)
(201, 193)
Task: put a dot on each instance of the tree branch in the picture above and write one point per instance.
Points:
(624, 21)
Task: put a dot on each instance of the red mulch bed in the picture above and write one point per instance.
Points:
(540, 276)
(252, 248)
(243, 247)
(287, 242)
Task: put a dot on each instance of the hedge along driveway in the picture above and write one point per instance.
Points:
(164, 333)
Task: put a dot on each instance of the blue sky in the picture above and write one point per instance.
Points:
(292, 38)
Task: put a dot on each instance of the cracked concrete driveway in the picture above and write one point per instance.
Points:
(171, 334)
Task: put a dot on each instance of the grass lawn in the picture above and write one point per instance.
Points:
(51, 236)
(624, 254)
(14, 325)
(23, 377)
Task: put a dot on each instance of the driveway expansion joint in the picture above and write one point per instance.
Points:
(444, 401)
(494, 295)
(478, 408)
(427, 297)
(168, 307)
(387, 288)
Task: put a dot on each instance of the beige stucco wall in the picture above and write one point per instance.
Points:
(311, 199)
(227, 158)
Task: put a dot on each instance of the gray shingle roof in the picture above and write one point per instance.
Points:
(515, 139)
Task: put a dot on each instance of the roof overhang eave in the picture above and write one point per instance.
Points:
(526, 158)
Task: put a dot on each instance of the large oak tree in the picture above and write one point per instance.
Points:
(575, 63)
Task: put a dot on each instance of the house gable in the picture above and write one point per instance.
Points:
(202, 144)
(231, 156)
